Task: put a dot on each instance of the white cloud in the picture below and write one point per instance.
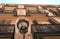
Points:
(31, 1)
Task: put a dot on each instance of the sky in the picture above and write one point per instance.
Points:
(30, 1)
